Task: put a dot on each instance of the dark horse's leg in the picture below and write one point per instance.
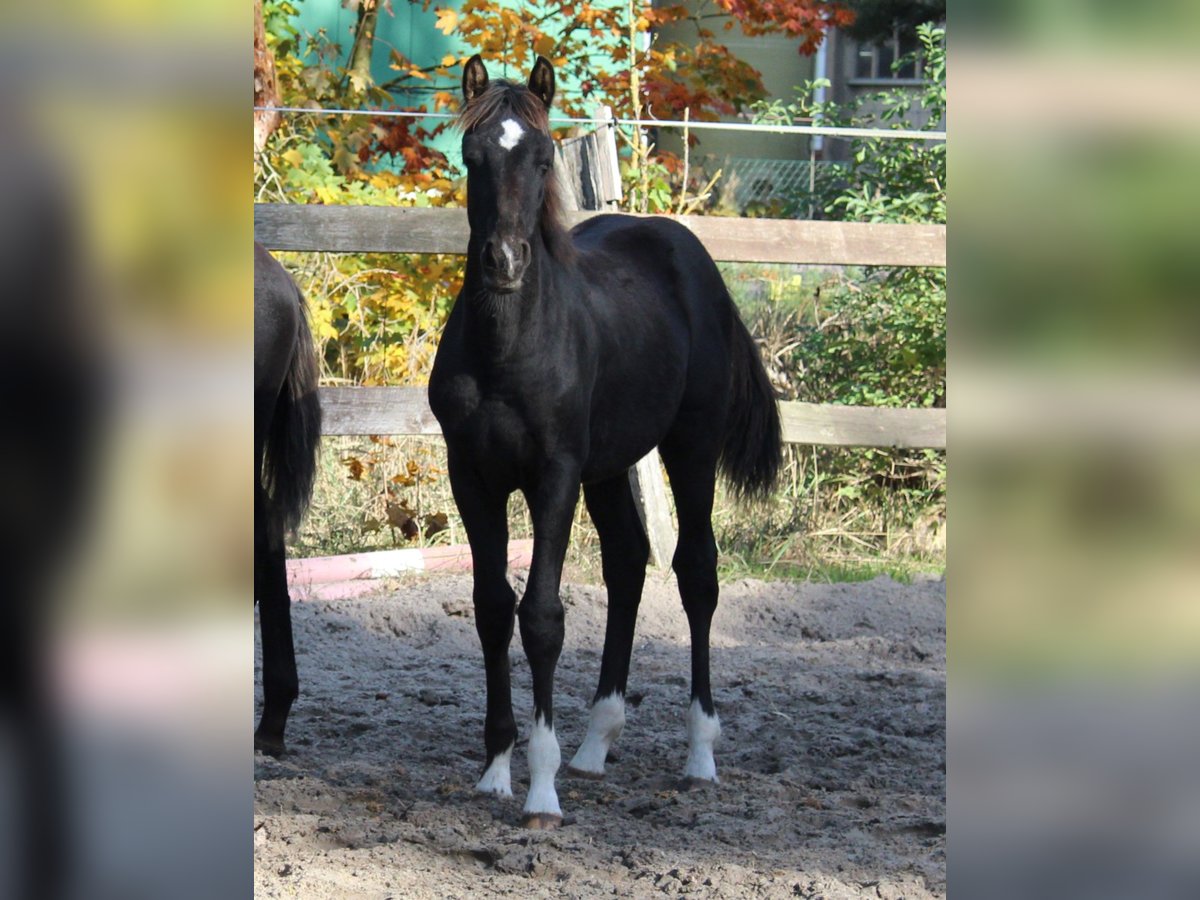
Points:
(40, 850)
(692, 468)
(485, 516)
(552, 506)
(280, 683)
(625, 551)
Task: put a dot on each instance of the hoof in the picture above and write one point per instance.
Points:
(272, 746)
(584, 773)
(541, 821)
(692, 784)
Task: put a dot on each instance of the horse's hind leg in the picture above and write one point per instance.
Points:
(693, 480)
(624, 550)
(280, 683)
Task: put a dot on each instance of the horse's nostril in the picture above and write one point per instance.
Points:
(493, 256)
(526, 254)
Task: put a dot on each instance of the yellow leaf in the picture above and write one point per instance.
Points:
(544, 45)
(447, 20)
(449, 59)
(294, 158)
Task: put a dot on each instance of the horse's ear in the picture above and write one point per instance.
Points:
(475, 78)
(541, 80)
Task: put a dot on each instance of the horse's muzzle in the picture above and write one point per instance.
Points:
(504, 264)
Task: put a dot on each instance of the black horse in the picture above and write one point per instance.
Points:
(567, 357)
(287, 431)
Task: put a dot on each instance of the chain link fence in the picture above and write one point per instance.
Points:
(785, 187)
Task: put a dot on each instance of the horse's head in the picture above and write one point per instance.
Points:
(509, 156)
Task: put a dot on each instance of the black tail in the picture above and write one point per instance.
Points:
(290, 457)
(752, 449)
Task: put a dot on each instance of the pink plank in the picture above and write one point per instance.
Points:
(303, 573)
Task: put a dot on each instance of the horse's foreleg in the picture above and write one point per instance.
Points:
(486, 521)
(552, 505)
(495, 604)
(625, 550)
(280, 683)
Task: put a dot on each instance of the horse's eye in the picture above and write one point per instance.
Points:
(543, 168)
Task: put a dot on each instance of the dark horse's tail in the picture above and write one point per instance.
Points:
(752, 449)
(290, 457)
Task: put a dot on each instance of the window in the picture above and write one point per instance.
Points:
(873, 62)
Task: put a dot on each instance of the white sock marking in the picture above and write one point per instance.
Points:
(513, 132)
(703, 731)
(607, 720)
(544, 759)
(497, 779)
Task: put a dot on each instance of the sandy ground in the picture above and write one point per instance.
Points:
(832, 761)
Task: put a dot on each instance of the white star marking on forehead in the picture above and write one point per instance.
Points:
(513, 133)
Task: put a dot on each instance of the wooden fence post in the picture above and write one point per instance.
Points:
(587, 165)
(650, 495)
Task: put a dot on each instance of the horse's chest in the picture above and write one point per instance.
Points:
(498, 430)
(479, 423)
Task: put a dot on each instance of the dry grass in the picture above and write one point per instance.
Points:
(349, 511)
(813, 528)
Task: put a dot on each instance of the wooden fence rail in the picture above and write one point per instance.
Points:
(405, 410)
(394, 229)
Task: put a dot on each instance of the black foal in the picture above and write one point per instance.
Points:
(568, 357)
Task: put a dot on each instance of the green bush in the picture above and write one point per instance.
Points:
(864, 338)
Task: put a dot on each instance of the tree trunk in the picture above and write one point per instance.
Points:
(266, 91)
(359, 71)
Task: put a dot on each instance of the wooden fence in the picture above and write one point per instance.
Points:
(392, 229)
(363, 410)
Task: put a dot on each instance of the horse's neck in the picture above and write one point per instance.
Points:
(513, 326)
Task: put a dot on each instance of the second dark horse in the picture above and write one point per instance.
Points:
(287, 431)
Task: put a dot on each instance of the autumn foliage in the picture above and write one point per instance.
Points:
(598, 45)
(804, 20)
(378, 317)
